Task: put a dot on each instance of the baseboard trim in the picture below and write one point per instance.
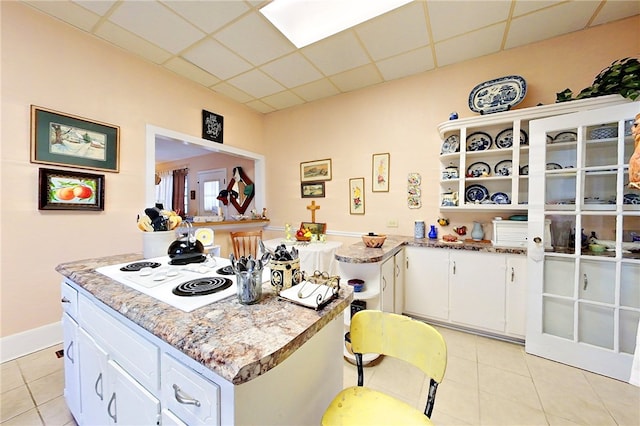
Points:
(21, 344)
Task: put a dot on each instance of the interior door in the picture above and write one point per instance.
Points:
(580, 309)
(210, 183)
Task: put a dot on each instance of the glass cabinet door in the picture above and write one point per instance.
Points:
(585, 305)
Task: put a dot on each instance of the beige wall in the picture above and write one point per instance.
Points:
(52, 65)
(401, 118)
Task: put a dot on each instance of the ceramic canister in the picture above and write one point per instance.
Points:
(418, 230)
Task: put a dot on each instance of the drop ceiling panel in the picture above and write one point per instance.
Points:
(255, 39)
(316, 90)
(452, 18)
(551, 22)
(470, 45)
(283, 100)
(336, 54)
(292, 70)
(357, 78)
(156, 23)
(209, 16)
(68, 12)
(216, 59)
(100, 7)
(407, 64)
(131, 42)
(399, 31)
(190, 71)
(613, 10)
(256, 83)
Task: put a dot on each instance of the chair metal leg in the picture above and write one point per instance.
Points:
(431, 398)
(360, 369)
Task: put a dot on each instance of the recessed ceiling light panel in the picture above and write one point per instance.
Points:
(304, 22)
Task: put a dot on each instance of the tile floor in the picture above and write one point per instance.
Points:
(488, 382)
(32, 388)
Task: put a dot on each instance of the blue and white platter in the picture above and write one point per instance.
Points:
(504, 168)
(505, 138)
(476, 194)
(631, 199)
(479, 141)
(478, 169)
(497, 95)
(450, 145)
(565, 137)
(500, 198)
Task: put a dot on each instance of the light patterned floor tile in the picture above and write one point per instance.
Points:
(48, 387)
(503, 355)
(495, 410)
(29, 418)
(508, 385)
(10, 376)
(14, 402)
(55, 412)
(458, 401)
(462, 370)
(40, 364)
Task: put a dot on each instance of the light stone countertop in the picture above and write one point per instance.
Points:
(238, 342)
(359, 253)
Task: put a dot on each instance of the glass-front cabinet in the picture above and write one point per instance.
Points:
(485, 160)
(584, 304)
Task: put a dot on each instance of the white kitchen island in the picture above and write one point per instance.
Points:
(130, 359)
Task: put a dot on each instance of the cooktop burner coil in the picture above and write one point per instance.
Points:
(134, 267)
(225, 270)
(202, 286)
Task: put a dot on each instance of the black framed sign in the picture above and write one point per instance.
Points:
(68, 140)
(212, 126)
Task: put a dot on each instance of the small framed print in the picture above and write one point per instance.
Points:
(212, 126)
(380, 172)
(312, 189)
(62, 139)
(356, 195)
(67, 190)
(315, 170)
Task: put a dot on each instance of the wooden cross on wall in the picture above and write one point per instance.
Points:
(313, 209)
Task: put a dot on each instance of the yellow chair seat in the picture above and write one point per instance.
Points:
(358, 405)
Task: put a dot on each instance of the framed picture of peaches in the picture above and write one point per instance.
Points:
(69, 190)
(67, 140)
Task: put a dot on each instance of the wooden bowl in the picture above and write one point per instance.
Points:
(303, 238)
(373, 241)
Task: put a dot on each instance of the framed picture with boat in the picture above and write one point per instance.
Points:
(68, 140)
(319, 170)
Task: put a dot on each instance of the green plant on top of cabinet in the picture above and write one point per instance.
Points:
(584, 307)
(491, 155)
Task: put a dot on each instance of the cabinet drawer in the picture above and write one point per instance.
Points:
(69, 299)
(191, 397)
(139, 357)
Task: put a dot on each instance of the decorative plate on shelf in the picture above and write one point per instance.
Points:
(476, 194)
(497, 95)
(500, 198)
(565, 137)
(450, 145)
(631, 199)
(524, 170)
(549, 139)
(503, 168)
(505, 138)
(553, 166)
(478, 169)
(479, 141)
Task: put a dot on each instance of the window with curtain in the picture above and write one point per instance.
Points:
(172, 191)
(179, 190)
(164, 190)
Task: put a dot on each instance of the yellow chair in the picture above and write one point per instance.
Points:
(245, 243)
(396, 336)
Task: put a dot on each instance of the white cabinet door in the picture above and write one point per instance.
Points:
(516, 306)
(71, 365)
(129, 403)
(387, 277)
(477, 289)
(92, 381)
(426, 282)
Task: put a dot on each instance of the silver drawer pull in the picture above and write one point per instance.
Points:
(65, 300)
(586, 281)
(183, 398)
